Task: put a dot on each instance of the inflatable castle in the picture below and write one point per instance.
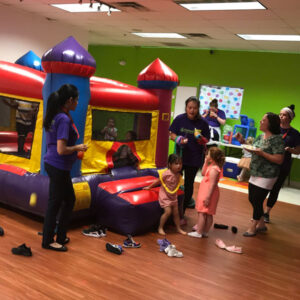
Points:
(106, 187)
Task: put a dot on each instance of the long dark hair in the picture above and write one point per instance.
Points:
(274, 123)
(57, 100)
(195, 100)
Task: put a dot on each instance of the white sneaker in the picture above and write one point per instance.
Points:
(195, 234)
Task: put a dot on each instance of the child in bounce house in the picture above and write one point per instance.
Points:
(110, 132)
(170, 180)
(208, 193)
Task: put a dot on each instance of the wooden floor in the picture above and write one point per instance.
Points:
(268, 269)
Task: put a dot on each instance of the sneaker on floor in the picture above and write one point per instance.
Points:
(130, 243)
(163, 243)
(22, 250)
(117, 249)
(267, 218)
(95, 231)
(195, 234)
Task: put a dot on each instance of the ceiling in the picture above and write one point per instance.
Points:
(203, 29)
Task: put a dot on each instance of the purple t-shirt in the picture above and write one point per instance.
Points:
(192, 152)
(291, 138)
(61, 129)
(213, 121)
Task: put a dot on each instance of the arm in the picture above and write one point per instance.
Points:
(205, 165)
(295, 150)
(206, 112)
(213, 179)
(63, 149)
(104, 130)
(221, 121)
(240, 137)
(181, 141)
(274, 158)
(153, 184)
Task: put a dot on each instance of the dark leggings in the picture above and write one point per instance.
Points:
(61, 199)
(276, 188)
(257, 195)
(189, 178)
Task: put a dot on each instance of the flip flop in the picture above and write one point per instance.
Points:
(220, 244)
(262, 229)
(249, 234)
(234, 249)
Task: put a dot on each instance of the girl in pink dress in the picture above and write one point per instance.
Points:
(208, 194)
(170, 181)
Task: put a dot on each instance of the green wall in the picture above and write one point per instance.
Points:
(271, 80)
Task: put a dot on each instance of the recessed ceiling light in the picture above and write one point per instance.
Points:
(270, 37)
(160, 35)
(223, 6)
(84, 7)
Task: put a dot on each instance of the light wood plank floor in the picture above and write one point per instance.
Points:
(268, 269)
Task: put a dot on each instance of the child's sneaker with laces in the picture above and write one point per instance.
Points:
(117, 249)
(163, 243)
(95, 231)
(130, 243)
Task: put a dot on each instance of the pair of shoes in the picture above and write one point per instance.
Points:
(219, 243)
(117, 249)
(163, 243)
(97, 231)
(1, 231)
(220, 226)
(195, 234)
(130, 243)
(262, 229)
(249, 234)
(171, 251)
(267, 218)
(22, 250)
(56, 247)
(234, 229)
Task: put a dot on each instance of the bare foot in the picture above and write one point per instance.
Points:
(161, 231)
(181, 231)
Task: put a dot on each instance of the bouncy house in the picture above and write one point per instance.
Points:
(125, 128)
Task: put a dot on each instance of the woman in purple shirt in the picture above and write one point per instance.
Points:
(61, 136)
(215, 118)
(190, 133)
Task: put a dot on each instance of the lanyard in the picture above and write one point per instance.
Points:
(284, 136)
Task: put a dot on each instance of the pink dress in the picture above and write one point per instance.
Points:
(203, 190)
(171, 180)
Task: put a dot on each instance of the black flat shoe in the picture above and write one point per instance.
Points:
(1, 231)
(66, 241)
(22, 250)
(60, 249)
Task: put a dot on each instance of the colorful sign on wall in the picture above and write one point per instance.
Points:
(229, 99)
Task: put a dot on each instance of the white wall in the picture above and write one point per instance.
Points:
(21, 32)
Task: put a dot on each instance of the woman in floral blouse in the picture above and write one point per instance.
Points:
(267, 156)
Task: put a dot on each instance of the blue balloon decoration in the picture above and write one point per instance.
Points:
(31, 60)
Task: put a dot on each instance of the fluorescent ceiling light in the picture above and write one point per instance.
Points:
(84, 7)
(160, 35)
(223, 6)
(270, 37)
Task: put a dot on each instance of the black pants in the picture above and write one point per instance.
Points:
(257, 195)
(61, 200)
(189, 178)
(276, 188)
(23, 131)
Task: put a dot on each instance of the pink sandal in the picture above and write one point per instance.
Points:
(233, 249)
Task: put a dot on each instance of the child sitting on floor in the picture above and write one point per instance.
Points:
(208, 193)
(170, 180)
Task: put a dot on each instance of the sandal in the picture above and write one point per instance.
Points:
(220, 244)
(249, 234)
(233, 249)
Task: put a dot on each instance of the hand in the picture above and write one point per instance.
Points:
(213, 114)
(206, 202)
(288, 149)
(239, 137)
(184, 141)
(82, 147)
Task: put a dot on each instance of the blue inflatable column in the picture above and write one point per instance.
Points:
(69, 63)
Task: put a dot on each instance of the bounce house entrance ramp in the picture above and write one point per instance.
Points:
(126, 208)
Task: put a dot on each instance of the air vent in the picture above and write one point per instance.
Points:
(173, 44)
(197, 35)
(127, 5)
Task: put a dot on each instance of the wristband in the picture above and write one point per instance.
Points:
(178, 140)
